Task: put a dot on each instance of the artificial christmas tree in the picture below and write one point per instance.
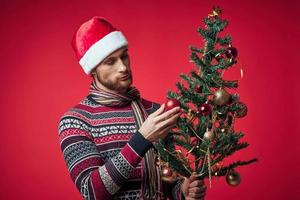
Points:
(205, 133)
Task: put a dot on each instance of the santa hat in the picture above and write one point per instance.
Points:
(94, 41)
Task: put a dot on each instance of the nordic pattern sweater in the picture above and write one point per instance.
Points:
(103, 150)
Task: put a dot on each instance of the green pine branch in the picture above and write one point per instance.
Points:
(210, 61)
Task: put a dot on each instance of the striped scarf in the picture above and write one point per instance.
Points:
(151, 183)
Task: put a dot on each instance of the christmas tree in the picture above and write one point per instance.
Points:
(205, 133)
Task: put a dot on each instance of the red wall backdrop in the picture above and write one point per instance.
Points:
(41, 79)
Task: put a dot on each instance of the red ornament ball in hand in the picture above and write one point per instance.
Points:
(205, 109)
(171, 103)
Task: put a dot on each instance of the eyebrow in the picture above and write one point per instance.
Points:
(111, 57)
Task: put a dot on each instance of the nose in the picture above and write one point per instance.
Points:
(122, 67)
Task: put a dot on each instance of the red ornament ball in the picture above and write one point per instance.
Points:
(205, 109)
(231, 52)
(167, 171)
(198, 89)
(168, 175)
(171, 103)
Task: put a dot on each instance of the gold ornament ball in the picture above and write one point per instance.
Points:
(221, 97)
(158, 162)
(233, 178)
(209, 135)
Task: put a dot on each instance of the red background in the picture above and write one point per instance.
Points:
(41, 79)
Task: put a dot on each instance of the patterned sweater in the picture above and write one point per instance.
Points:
(103, 150)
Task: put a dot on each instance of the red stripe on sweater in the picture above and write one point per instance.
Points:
(102, 109)
(75, 132)
(136, 173)
(98, 186)
(84, 165)
(130, 155)
(101, 121)
(115, 137)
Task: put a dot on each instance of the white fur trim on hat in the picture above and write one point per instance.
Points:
(101, 49)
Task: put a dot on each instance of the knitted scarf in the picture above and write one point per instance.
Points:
(151, 183)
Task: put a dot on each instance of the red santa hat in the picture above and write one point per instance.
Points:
(94, 41)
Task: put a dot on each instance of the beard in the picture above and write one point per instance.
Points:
(120, 86)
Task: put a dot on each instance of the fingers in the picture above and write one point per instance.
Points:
(172, 119)
(170, 122)
(159, 111)
(196, 196)
(193, 196)
(197, 193)
(197, 188)
(161, 129)
(152, 129)
(197, 183)
(193, 189)
(166, 129)
(193, 177)
(168, 114)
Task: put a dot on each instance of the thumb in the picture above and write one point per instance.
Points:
(193, 177)
(185, 186)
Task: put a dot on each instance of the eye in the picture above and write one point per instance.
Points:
(124, 56)
(110, 62)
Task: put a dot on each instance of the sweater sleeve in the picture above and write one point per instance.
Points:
(94, 178)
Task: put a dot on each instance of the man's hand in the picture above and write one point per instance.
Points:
(159, 123)
(193, 189)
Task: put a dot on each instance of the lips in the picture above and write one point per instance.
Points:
(124, 77)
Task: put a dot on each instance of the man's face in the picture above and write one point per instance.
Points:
(113, 74)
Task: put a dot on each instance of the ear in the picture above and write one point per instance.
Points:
(93, 72)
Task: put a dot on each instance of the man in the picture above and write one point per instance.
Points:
(107, 138)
